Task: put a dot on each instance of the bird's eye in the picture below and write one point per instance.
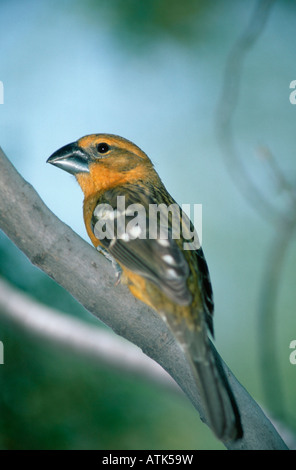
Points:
(103, 147)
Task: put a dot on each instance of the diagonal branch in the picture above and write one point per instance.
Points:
(74, 264)
(71, 333)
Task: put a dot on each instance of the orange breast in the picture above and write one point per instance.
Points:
(102, 178)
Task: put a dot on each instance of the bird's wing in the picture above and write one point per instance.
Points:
(124, 232)
(205, 288)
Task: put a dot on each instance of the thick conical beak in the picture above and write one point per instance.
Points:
(70, 158)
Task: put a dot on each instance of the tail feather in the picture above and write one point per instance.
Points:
(220, 405)
(212, 385)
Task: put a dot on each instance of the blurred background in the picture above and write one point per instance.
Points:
(153, 71)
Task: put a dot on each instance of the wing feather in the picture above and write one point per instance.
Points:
(161, 262)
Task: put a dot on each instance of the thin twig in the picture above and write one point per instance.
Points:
(283, 221)
(228, 105)
(63, 330)
(281, 181)
(271, 377)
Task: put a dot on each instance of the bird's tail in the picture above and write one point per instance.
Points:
(219, 403)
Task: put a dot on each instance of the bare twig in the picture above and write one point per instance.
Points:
(66, 331)
(282, 183)
(227, 107)
(271, 376)
(284, 220)
(58, 251)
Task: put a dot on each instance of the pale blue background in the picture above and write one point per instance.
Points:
(73, 68)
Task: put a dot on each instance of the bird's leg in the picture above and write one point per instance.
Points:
(117, 268)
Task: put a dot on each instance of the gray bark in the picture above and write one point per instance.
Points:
(53, 247)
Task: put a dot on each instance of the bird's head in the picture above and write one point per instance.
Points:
(101, 161)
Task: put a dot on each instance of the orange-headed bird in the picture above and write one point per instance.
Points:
(159, 269)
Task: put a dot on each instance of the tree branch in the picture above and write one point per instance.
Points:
(226, 110)
(64, 256)
(74, 334)
(283, 220)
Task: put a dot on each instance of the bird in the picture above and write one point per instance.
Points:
(119, 180)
